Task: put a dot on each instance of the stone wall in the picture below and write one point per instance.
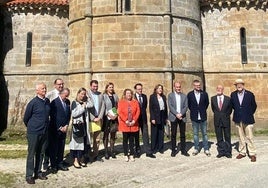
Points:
(49, 57)
(222, 53)
(131, 46)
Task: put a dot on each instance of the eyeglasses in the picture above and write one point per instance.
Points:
(60, 84)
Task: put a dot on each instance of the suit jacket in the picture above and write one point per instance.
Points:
(155, 109)
(172, 104)
(59, 116)
(245, 112)
(143, 107)
(201, 107)
(92, 111)
(108, 104)
(221, 117)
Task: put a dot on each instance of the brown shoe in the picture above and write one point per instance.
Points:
(30, 180)
(240, 156)
(253, 158)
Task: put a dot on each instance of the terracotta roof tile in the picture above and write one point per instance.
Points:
(43, 2)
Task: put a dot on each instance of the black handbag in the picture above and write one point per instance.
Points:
(78, 130)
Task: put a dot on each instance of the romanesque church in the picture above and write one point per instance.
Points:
(130, 41)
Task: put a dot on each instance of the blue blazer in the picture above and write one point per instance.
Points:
(245, 112)
(59, 115)
(155, 113)
(201, 107)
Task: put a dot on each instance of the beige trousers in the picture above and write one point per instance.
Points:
(96, 142)
(245, 132)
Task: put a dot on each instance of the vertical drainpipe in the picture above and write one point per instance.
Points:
(171, 48)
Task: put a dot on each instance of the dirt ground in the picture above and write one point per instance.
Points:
(164, 171)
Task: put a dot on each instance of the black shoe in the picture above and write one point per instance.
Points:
(150, 155)
(219, 155)
(228, 156)
(83, 164)
(97, 158)
(106, 156)
(173, 154)
(53, 170)
(137, 155)
(41, 176)
(113, 155)
(185, 153)
(30, 180)
(63, 168)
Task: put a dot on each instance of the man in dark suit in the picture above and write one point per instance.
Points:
(142, 98)
(178, 105)
(60, 117)
(198, 103)
(222, 109)
(244, 105)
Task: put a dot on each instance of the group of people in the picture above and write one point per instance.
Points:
(48, 115)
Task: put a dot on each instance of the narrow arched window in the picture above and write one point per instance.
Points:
(243, 44)
(29, 49)
(127, 5)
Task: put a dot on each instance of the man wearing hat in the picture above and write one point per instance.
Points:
(244, 105)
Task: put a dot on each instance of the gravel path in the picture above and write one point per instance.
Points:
(164, 171)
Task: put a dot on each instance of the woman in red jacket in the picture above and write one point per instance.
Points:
(128, 114)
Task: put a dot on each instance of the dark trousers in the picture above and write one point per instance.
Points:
(77, 153)
(128, 142)
(157, 137)
(223, 135)
(56, 148)
(37, 144)
(145, 138)
(174, 126)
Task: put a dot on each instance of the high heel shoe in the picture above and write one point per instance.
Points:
(77, 165)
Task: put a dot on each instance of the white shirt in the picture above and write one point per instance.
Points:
(178, 102)
(161, 103)
(241, 96)
(197, 97)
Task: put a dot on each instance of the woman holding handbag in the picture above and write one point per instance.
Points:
(80, 137)
(110, 122)
(128, 113)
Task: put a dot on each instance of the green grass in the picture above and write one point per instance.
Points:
(13, 136)
(261, 132)
(13, 154)
(6, 180)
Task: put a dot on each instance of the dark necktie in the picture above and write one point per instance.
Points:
(140, 100)
(64, 106)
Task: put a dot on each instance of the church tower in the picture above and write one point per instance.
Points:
(127, 41)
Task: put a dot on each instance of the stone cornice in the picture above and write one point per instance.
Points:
(52, 9)
(219, 4)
